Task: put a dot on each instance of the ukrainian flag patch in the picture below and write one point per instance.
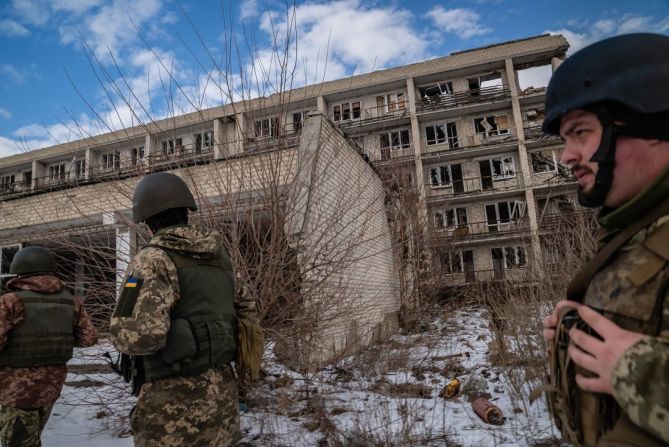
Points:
(131, 283)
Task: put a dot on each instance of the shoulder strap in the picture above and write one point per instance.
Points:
(579, 284)
(29, 296)
(181, 260)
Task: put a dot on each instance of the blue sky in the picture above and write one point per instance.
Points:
(75, 68)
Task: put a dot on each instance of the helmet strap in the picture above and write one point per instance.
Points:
(605, 157)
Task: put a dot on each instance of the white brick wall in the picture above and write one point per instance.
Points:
(338, 217)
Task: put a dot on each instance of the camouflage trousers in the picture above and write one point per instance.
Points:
(199, 410)
(22, 428)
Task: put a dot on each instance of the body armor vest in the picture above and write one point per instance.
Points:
(630, 291)
(46, 336)
(203, 324)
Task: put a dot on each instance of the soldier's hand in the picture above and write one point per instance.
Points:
(599, 356)
(551, 321)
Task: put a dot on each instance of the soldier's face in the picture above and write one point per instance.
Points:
(638, 161)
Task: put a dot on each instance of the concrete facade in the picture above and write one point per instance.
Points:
(486, 179)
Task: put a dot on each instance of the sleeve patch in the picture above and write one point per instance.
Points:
(128, 299)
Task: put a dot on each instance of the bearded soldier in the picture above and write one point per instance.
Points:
(40, 323)
(609, 343)
(177, 319)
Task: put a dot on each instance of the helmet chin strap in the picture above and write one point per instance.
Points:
(605, 157)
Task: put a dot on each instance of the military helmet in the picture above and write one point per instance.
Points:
(631, 70)
(158, 192)
(32, 260)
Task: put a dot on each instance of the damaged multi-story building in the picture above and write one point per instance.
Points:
(457, 133)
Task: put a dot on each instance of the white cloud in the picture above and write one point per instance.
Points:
(75, 6)
(111, 27)
(35, 12)
(36, 136)
(12, 28)
(9, 147)
(12, 74)
(338, 38)
(581, 34)
(248, 9)
(604, 26)
(5, 113)
(464, 23)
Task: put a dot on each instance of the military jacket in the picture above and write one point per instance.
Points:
(38, 386)
(631, 290)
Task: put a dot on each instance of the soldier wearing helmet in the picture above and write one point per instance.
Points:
(176, 318)
(40, 323)
(609, 341)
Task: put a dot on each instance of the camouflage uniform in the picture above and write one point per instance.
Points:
(200, 409)
(631, 291)
(28, 394)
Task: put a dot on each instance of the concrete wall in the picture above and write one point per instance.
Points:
(338, 225)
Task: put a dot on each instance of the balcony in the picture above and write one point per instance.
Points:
(271, 143)
(501, 273)
(374, 115)
(9, 189)
(54, 183)
(582, 220)
(462, 99)
(534, 134)
(475, 186)
(472, 231)
(474, 145)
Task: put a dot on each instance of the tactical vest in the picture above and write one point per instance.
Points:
(46, 336)
(203, 324)
(630, 290)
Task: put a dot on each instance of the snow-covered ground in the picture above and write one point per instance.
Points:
(388, 395)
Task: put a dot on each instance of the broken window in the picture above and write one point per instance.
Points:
(442, 133)
(298, 121)
(440, 176)
(451, 262)
(137, 155)
(451, 218)
(7, 182)
(391, 102)
(203, 140)
(500, 215)
(346, 111)
(395, 140)
(436, 91)
(492, 125)
(553, 205)
(57, 172)
(111, 161)
(500, 168)
(483, 84)
(170, 146)
(79, 169)
(545, 161)
(446, 176)
(267, 127)
(514, 257)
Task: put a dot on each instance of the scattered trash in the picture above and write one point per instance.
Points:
(474, 386)
(488, 412)
(451, 389)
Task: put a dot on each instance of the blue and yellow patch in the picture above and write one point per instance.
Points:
(131, 282)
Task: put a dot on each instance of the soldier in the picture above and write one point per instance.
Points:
(177, 315)
(40, 323)
(609, 342)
